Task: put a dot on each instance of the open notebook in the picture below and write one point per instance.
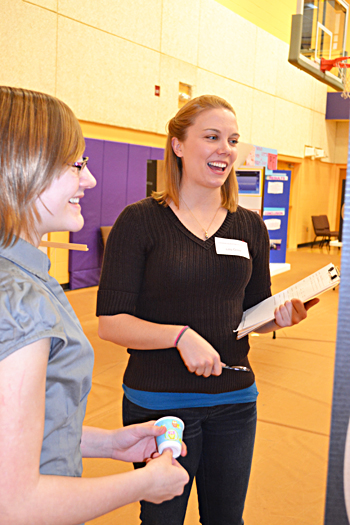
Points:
(306, 289)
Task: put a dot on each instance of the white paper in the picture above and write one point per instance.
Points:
(272, 224)
(275, 187)
(231, 247)
(306, 289)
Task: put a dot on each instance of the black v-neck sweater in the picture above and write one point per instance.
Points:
(157, 270)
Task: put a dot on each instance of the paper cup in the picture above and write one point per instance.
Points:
(173, 435)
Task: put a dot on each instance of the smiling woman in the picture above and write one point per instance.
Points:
(212, 140)
(36, 155)
(58, 206)
(45, 359)
(173, 298)
(207, 155)
(179, 127)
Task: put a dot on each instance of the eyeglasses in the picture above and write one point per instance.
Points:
(81, 164)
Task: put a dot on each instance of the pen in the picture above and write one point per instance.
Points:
(238, 368)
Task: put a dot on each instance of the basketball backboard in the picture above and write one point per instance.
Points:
(319, 31)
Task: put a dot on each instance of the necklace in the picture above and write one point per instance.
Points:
(205, 230)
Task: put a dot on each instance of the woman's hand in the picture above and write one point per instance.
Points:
(137, 442)
(198, 355)
(292, 312)
(167, 478)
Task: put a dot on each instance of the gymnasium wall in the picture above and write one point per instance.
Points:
(105, 58)
(273, 16)
(341, 142)
(316, 188)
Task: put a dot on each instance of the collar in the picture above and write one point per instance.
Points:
(28, 257)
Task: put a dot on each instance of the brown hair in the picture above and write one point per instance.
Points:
(177, 127)
(39, 135)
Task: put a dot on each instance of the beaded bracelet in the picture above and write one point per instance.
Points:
(181, 333)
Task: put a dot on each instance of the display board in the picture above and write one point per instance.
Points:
(260, 156)
(275, 212)
(250, 187)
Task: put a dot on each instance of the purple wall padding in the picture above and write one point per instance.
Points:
(137, 173)
(338, 108)
(114, 185)
(157, 154)
(121, 174)
(84, 278)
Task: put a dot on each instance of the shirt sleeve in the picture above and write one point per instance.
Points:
(123, 265)
(26, 315)
(259, 286)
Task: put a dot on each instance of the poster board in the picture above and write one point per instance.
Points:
(275, 212)
(251, 187)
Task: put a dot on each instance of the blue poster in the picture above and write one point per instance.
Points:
(275, 212)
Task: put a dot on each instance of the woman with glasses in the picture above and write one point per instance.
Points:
(45, 359)
(179, 270)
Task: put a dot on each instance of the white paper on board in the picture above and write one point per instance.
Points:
(274, 211)
(275, 187)
(312, 286)
(272, 224)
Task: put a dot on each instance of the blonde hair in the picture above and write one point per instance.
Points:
(39, 135)
(177, 127)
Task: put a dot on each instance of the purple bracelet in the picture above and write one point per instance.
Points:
(181, 333)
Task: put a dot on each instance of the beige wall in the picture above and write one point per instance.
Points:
(273, 16)
(315, 188)
(104, 59)
(341, 142)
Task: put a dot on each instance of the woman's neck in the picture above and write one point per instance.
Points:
(204, 199)
(200, 211)
(35, 241)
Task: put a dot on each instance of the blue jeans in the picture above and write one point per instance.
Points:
(220, 442)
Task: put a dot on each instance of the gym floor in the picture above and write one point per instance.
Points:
(294, 375)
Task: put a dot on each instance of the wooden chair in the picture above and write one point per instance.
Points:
(321, 228)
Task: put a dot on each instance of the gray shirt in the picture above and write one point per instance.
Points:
(33, 306)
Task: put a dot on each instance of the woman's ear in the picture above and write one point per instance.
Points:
(177, 146)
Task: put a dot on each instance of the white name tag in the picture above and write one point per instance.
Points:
(231, 247)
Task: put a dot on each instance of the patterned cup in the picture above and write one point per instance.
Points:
(173, 435)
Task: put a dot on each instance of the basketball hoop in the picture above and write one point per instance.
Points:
(342, 64)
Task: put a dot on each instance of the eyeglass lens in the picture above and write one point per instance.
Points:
(81, 165)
